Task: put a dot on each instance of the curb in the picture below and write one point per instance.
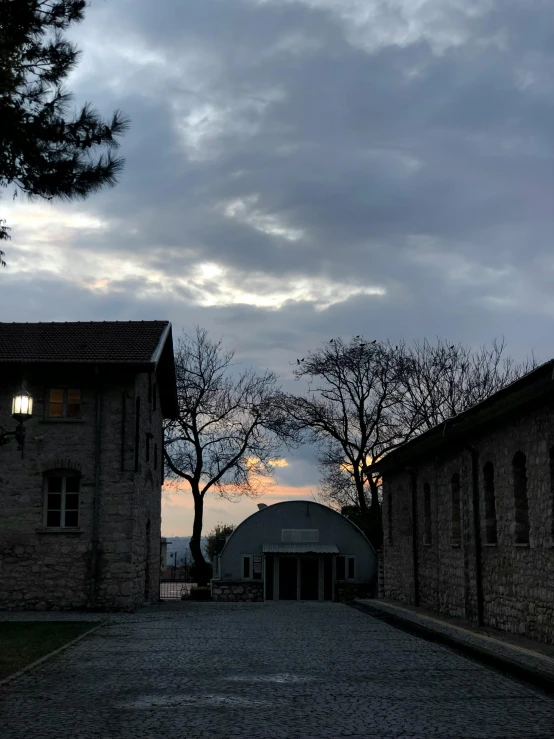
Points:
(46, 657)
(537, 677)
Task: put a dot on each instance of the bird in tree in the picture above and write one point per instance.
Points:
(46, 151)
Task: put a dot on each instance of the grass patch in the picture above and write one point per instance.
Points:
(24, 642)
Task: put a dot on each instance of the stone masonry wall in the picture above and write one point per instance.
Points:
(44, 569)
(237, 591)
(517, 579)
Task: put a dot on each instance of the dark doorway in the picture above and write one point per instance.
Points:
(309, 578)
(288, 578)
(328, 577)
(269, 577)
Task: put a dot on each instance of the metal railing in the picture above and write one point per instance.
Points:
(174, 589)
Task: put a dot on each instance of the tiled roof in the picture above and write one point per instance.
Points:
(300, 549)
(93, 342)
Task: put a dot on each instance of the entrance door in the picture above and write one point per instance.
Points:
(288, 578)
(309, 578)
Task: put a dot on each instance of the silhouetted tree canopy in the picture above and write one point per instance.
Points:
(365, 398)
(231, 426)
(216, 538)
(45, 150)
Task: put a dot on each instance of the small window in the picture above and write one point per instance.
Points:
(64, 403)
(257, 567)
(350, 574)
(246, 567)
(346, 567)
(62, 501)
(299, 536)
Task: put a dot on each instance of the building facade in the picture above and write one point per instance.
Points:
(295, 550)
(81, 501)
(468, 513)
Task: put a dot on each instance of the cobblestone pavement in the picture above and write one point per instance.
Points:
(294, 670)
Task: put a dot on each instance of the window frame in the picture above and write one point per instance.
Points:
(250, 559)
(299, 540)
(64, 475)
(347, 559)
(65, 390)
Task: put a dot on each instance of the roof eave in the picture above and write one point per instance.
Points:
(457, 429)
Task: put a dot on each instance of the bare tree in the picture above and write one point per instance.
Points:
(231, 426)
(351, 411)
(442, 380)
(364, 399)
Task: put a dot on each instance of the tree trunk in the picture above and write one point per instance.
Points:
(202, 574)
(362, 502)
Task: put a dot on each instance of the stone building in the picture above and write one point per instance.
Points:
(80, 501)
(295, 550)
(468, 513)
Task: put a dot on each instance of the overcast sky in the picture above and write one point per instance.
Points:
(302, 169)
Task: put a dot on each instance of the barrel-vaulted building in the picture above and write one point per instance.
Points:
(295, 550)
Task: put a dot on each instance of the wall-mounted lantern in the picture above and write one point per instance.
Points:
(22, 410)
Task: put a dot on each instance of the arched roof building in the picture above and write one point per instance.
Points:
(295, 550)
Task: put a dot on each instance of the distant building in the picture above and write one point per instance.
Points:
(80, 521)
(295, 550)
(468, 514)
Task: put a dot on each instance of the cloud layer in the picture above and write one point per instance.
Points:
(299, 169)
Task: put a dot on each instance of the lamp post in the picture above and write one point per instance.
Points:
(22, 410)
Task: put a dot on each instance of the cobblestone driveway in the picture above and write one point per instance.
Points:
(294, 670)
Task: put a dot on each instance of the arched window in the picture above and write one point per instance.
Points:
(426, 513)
(490, 504)
(552, 491)
(519, 470)
(455, 490)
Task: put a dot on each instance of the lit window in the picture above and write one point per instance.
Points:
(64, 403)
(62, 501)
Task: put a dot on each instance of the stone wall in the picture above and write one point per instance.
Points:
(44, 569)
(237, 591)
(517, 579)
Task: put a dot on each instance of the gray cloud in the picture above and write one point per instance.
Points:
(300, 169)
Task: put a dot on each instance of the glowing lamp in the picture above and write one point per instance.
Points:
(22, 406)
